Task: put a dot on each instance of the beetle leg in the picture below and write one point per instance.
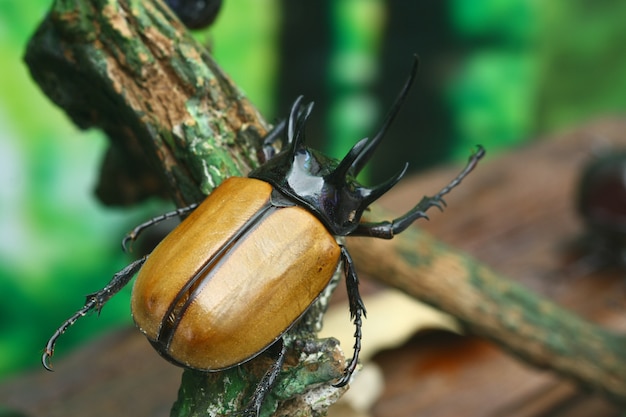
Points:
(387, 229)
(357, 309)
(267, 382)
(134, 234)
(94, 301)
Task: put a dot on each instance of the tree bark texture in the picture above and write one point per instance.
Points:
(131, 69)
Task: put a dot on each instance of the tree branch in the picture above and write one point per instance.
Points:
(131, 69)
(534, 329)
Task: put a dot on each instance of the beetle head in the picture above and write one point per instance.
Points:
(324, 185)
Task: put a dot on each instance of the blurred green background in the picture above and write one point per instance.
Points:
(495, 72)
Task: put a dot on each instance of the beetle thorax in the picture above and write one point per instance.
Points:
(326, 186)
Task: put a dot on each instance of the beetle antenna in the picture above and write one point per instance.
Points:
(367, 151)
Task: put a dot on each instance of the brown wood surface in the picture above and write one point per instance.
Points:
(521, 224)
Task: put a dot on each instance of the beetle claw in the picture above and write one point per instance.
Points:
(343, 381)
(45, 360)
(438, 202)
(129, 238)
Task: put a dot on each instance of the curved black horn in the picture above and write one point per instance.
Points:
(368, 150)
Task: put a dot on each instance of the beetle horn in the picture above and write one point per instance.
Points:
(366, 152)
(302, 119)
(297, 122)
(372, 194)
(293, 118)
(341, 171)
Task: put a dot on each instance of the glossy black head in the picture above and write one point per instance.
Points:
(324, 185)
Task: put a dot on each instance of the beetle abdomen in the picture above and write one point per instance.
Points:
(255, 274)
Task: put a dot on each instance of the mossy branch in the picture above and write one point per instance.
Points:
(533, 328)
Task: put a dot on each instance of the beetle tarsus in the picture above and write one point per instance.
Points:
(128, 239)
(471, 164)
(134, 234)
(49, 350)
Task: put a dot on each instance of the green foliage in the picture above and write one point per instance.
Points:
(244, 41)
(510, 21)
(357, 28)
(535, 67)
(493, 95)
(493, 98)
(582, 62)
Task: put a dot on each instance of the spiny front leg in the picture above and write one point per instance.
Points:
(95, 302)
(387, 229)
